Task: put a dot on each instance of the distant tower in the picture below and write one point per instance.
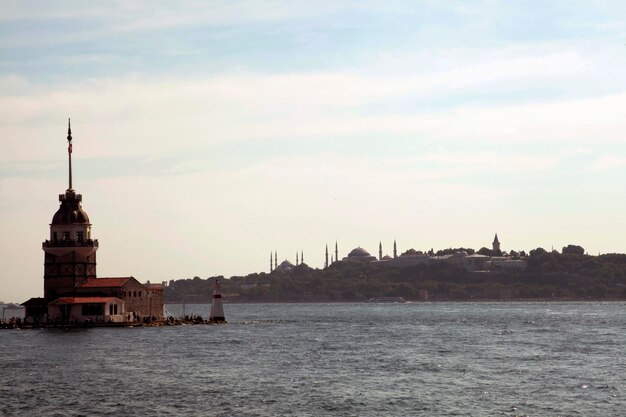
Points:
(380, 251)
(276, 258)
(395, 249)
(326, 257)
(296, 258)
(336, 252)
(271, 263)
(496, 245)
(301, 257)
(70, 254)
(217, 310)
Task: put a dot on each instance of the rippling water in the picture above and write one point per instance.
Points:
(430, 359)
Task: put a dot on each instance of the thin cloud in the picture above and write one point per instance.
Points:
(606, 163)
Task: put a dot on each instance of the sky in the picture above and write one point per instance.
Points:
(209, 134)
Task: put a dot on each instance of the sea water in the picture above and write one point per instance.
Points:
(421, 359)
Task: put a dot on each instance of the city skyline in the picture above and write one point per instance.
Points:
(221, 132)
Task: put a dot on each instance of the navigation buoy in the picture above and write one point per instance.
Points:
(217, 311)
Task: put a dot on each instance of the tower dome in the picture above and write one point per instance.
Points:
(70, 211)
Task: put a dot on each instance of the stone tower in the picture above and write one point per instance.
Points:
(70, 252)
(496, 246)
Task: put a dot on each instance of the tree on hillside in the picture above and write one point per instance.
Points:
(573, 250)
(485, 251)
(538, 252)
(452, 251)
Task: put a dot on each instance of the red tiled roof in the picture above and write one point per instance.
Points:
(103, 282)
(82, 300)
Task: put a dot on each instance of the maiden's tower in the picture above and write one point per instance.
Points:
(72, 292)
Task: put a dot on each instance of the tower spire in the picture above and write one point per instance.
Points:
(395, 249)
(496, 246)
(69, 152)
(380, 251)
(336, 252)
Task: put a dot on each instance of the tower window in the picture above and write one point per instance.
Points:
(54, 236)
(79, 236)
(66, 235)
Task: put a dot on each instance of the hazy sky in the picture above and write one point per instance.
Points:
(207, 134)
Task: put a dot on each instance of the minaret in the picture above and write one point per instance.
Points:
(496, 246)
(326, 257)
(297, 258)
(395, 249)
(336, 252)
(380, 251)
(301, 257)
(271, 263)
(276, 258)
(70, 253)
(217, 310)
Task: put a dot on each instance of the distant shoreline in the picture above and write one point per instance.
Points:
(486, 300)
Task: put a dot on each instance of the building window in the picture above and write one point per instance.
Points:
(134, 293)
(54, 236)
(79, 236)
(66, 235)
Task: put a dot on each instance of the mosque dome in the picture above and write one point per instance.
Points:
(358, 252)
(359, 255)
(70, 211)
(285, 266)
